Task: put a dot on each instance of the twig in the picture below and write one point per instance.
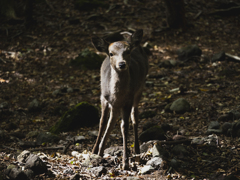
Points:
(47, 148)
(197, 15)
(66, 147)
(233, 57)
(2, 60)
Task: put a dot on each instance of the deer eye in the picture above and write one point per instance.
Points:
(111, 54)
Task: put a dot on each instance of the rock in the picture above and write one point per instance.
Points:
(158, 151)
(87, 60)
(34, 106)
(145, 146)
(167, 107)
(34, 163)
(180, 106)
(165, 64)
(155, 162)
(211, 140)
(3, 105)
(236, 129)
(26, 144)
(153, 133)
(174, 163)
(46, 137)
(93, 133)
(82, 115)
(188, 52)
(98, 171)
(214, 125)
(213, 131)
(79, 139)
(87, 162)
(148, 125)
(147, 114)
(32, 134)
(230, 116)
(146, 169)
(23, 156)
(179, 150)
(113, 150)
(29, 173)
(225, 127)
(218, 57)
(16, 174)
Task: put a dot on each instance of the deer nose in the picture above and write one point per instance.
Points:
(122, 65)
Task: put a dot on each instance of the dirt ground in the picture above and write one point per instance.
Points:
(34, 62)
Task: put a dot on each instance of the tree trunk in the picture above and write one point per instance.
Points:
(175, 13)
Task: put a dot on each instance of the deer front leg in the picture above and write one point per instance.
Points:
(111, 122)
(102, 124)
(124, 128)
(134, 117)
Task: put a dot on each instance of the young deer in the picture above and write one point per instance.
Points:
(123, 74)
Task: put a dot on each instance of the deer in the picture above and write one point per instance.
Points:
(122, 77)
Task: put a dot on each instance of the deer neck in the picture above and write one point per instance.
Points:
(120, 81)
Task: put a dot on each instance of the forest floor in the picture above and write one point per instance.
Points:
(34, 62)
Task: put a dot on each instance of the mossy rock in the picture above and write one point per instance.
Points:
(147, 114)
(90, 4)
(81, 115)
(87, 60)
(153, 133)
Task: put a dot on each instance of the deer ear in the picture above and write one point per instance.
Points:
(100, 44)
(136, 38)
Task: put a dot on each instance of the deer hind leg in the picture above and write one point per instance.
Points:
(110, 125)
(125, 128)
(102, 124)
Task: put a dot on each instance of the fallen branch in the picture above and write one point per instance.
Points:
(47, 148)
(226, 12)
(232, 57)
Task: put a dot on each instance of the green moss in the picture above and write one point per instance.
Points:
(87, 60)
(81, 115)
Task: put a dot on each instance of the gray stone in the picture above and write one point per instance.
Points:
(145, 146)
(158, 151)
(218, 57)
(181, 105)
(148, 125)
(211, 140)
(155, 162)
(186, 53)
(236, 129)
(93, 133)
(79, 139)
(214, 125)
(226, 126)
(174, 163)
(98, 171)
(153, 133)
(34, 163)
(213, 131)
(146, 169)
(34, 106)
(23, 156)
(16, 174)
(113, 150)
